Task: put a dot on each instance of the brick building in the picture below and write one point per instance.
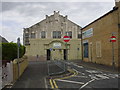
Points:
(97, 47)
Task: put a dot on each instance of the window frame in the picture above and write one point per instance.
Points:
(68, 33)
(43, 34)
(56, 34)
(98, 49)
(33, 35)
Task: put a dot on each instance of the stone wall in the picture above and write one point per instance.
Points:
(39, 47)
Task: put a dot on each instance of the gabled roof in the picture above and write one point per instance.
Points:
(49, 17)
(3, 40)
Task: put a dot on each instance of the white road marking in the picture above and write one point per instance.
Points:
(94, 77)
(86, 83)
(70, 81)
(81, 76)
(78, 66)
(82, 73)
(101, 76)
(45, 83)
(93, 71)
(111, 75)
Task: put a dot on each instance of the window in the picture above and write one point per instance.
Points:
(79, 36)
(43, 34)
(26, 34)
(86, 50)
(98, 49)
(56, 34)
(69, 33)
(32, 35)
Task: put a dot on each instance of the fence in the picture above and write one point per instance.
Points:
(7, 74)
(56, 67)
(0, 77)
(10, 71)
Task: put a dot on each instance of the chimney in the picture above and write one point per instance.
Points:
(54, 12)
(66, 16)
(46, 16)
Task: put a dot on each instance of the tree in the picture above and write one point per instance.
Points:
(9, 51)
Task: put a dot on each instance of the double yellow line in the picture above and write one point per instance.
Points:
(53, 81)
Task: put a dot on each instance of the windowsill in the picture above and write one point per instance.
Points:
(85, 57)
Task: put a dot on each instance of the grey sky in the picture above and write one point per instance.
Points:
(17, 15)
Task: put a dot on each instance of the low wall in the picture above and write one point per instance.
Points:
(10, 71)
(23, 63)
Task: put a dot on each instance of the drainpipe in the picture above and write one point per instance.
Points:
(119, 34)
(81, 44)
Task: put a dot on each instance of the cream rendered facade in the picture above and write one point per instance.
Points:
(49, 47)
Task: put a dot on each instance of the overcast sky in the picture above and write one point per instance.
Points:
(19, 15)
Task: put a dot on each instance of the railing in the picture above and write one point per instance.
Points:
(56, 67)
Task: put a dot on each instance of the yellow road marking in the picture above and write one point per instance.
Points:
(51, 83)
(74, 74)
(55, 84)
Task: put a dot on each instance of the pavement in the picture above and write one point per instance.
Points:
(33, 77)
(96, 66)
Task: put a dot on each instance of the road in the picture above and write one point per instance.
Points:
(34, 76)
(84, 77)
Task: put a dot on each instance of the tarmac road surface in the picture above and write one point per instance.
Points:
(87, 78)
(33, 77)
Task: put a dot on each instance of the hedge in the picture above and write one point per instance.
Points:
(9, 51)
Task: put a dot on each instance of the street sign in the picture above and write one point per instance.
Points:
(56, 45)
(66, 38)
(18, 42)
(113, 39)
(50, 49)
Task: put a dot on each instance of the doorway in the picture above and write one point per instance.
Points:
(85, 50)
(48, 54)
(65, 54)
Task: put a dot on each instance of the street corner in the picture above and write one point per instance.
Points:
(53, 80)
